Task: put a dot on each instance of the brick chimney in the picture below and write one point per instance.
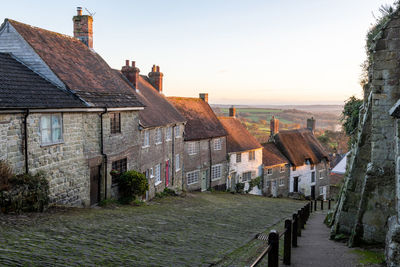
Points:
(274, 126)
(131, 72)
(232, 112)
(156, 78)
(311, 124)
(204, 97)
(83, 28)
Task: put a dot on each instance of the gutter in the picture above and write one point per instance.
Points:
(26, 140)
(102, 151)
(52, 110)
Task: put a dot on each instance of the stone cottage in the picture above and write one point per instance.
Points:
(276, 172)
(64, 111)
(244, 154)
(161, 131)
(205, 158)
(309, 163)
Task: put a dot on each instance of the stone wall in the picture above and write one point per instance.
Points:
(158, 154)
(201, 162)
(271, 183)
(368, 198)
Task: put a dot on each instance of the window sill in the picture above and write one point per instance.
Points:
(52, 144)
(192, 154)
(177, 170)
(143, 147)
(158, 143)
(114, 134)
(193, 183)
(215, 179)
(168, 140)
(157, 183)
(281, 185)
(178, 136)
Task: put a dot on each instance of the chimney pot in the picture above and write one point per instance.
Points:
(274, 126)
(204, 97)
(311, 124)
(83, 28)
(79, 11)
(232, 112)
(127, 62)
(133, 64)
(156, 78)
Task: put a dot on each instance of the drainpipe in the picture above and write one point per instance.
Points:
(209, 148)
(26, 140)
(102, 152)
(173, 156)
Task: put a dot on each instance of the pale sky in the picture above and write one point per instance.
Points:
(240, 52)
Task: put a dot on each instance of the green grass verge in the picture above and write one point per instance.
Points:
(370, 256)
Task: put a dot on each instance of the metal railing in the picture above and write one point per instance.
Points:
(293, 229)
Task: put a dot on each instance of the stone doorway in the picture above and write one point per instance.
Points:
(95, 185)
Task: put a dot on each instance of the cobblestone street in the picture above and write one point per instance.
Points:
(196, 230)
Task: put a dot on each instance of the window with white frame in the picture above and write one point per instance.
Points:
(177, 132)
(282, 182)
(321, 190)
(252, 155)
(151, 173)
(158, 136)
(157, 174)
(217, 144)
(269, 171)
(216, 172)
(238, 157)
(168, 134)
(177, 163)
(192, 148)
(313, 177)
(146, 138)
(282, 168)
(321, 174)
(246, 176)
(51, 129)
(192, 177)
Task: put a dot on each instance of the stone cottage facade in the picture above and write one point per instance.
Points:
(161, 131)
(276, 172)
(309, 163)
(244, 154)
(76, 121)
(205, 157)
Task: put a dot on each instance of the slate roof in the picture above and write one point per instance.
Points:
(238, 139)
(159, 111)
(202, 123)
(300, 145)
(272, 156)
(20, 87)
(79, 68)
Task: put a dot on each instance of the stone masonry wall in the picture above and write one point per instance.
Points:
(276, 190)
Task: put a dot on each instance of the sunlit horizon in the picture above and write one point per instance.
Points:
(239, 52)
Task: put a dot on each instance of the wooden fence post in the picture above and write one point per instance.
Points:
(322, 204)
(329, 204)
(273, 255)
(294, 232)
(299, 223)
(315, 205)
(287, 247)
(311, 206)
(303, 217)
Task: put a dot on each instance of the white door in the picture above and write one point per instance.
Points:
(324, 192)
(274, 189)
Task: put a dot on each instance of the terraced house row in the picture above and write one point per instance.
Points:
(66, 112)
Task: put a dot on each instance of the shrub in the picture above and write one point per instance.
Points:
(165, 193)
(132, 184)
(5, 174)
(255, 182)
(26, 192)
(239, 188)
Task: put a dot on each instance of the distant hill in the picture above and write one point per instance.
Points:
(335, 109)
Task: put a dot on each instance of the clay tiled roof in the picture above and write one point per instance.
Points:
(239, 139)
(79, 68)
(300, 145)
(272, 156)
(20, 87)
(202, 123)
(159, 111)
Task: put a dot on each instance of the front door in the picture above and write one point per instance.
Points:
(204, 181)
(274, 189)
(296, 184)
(94, 185)
(313, 192)
(324, 192)
(167, 173)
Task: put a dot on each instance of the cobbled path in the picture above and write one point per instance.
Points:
(196, 230)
